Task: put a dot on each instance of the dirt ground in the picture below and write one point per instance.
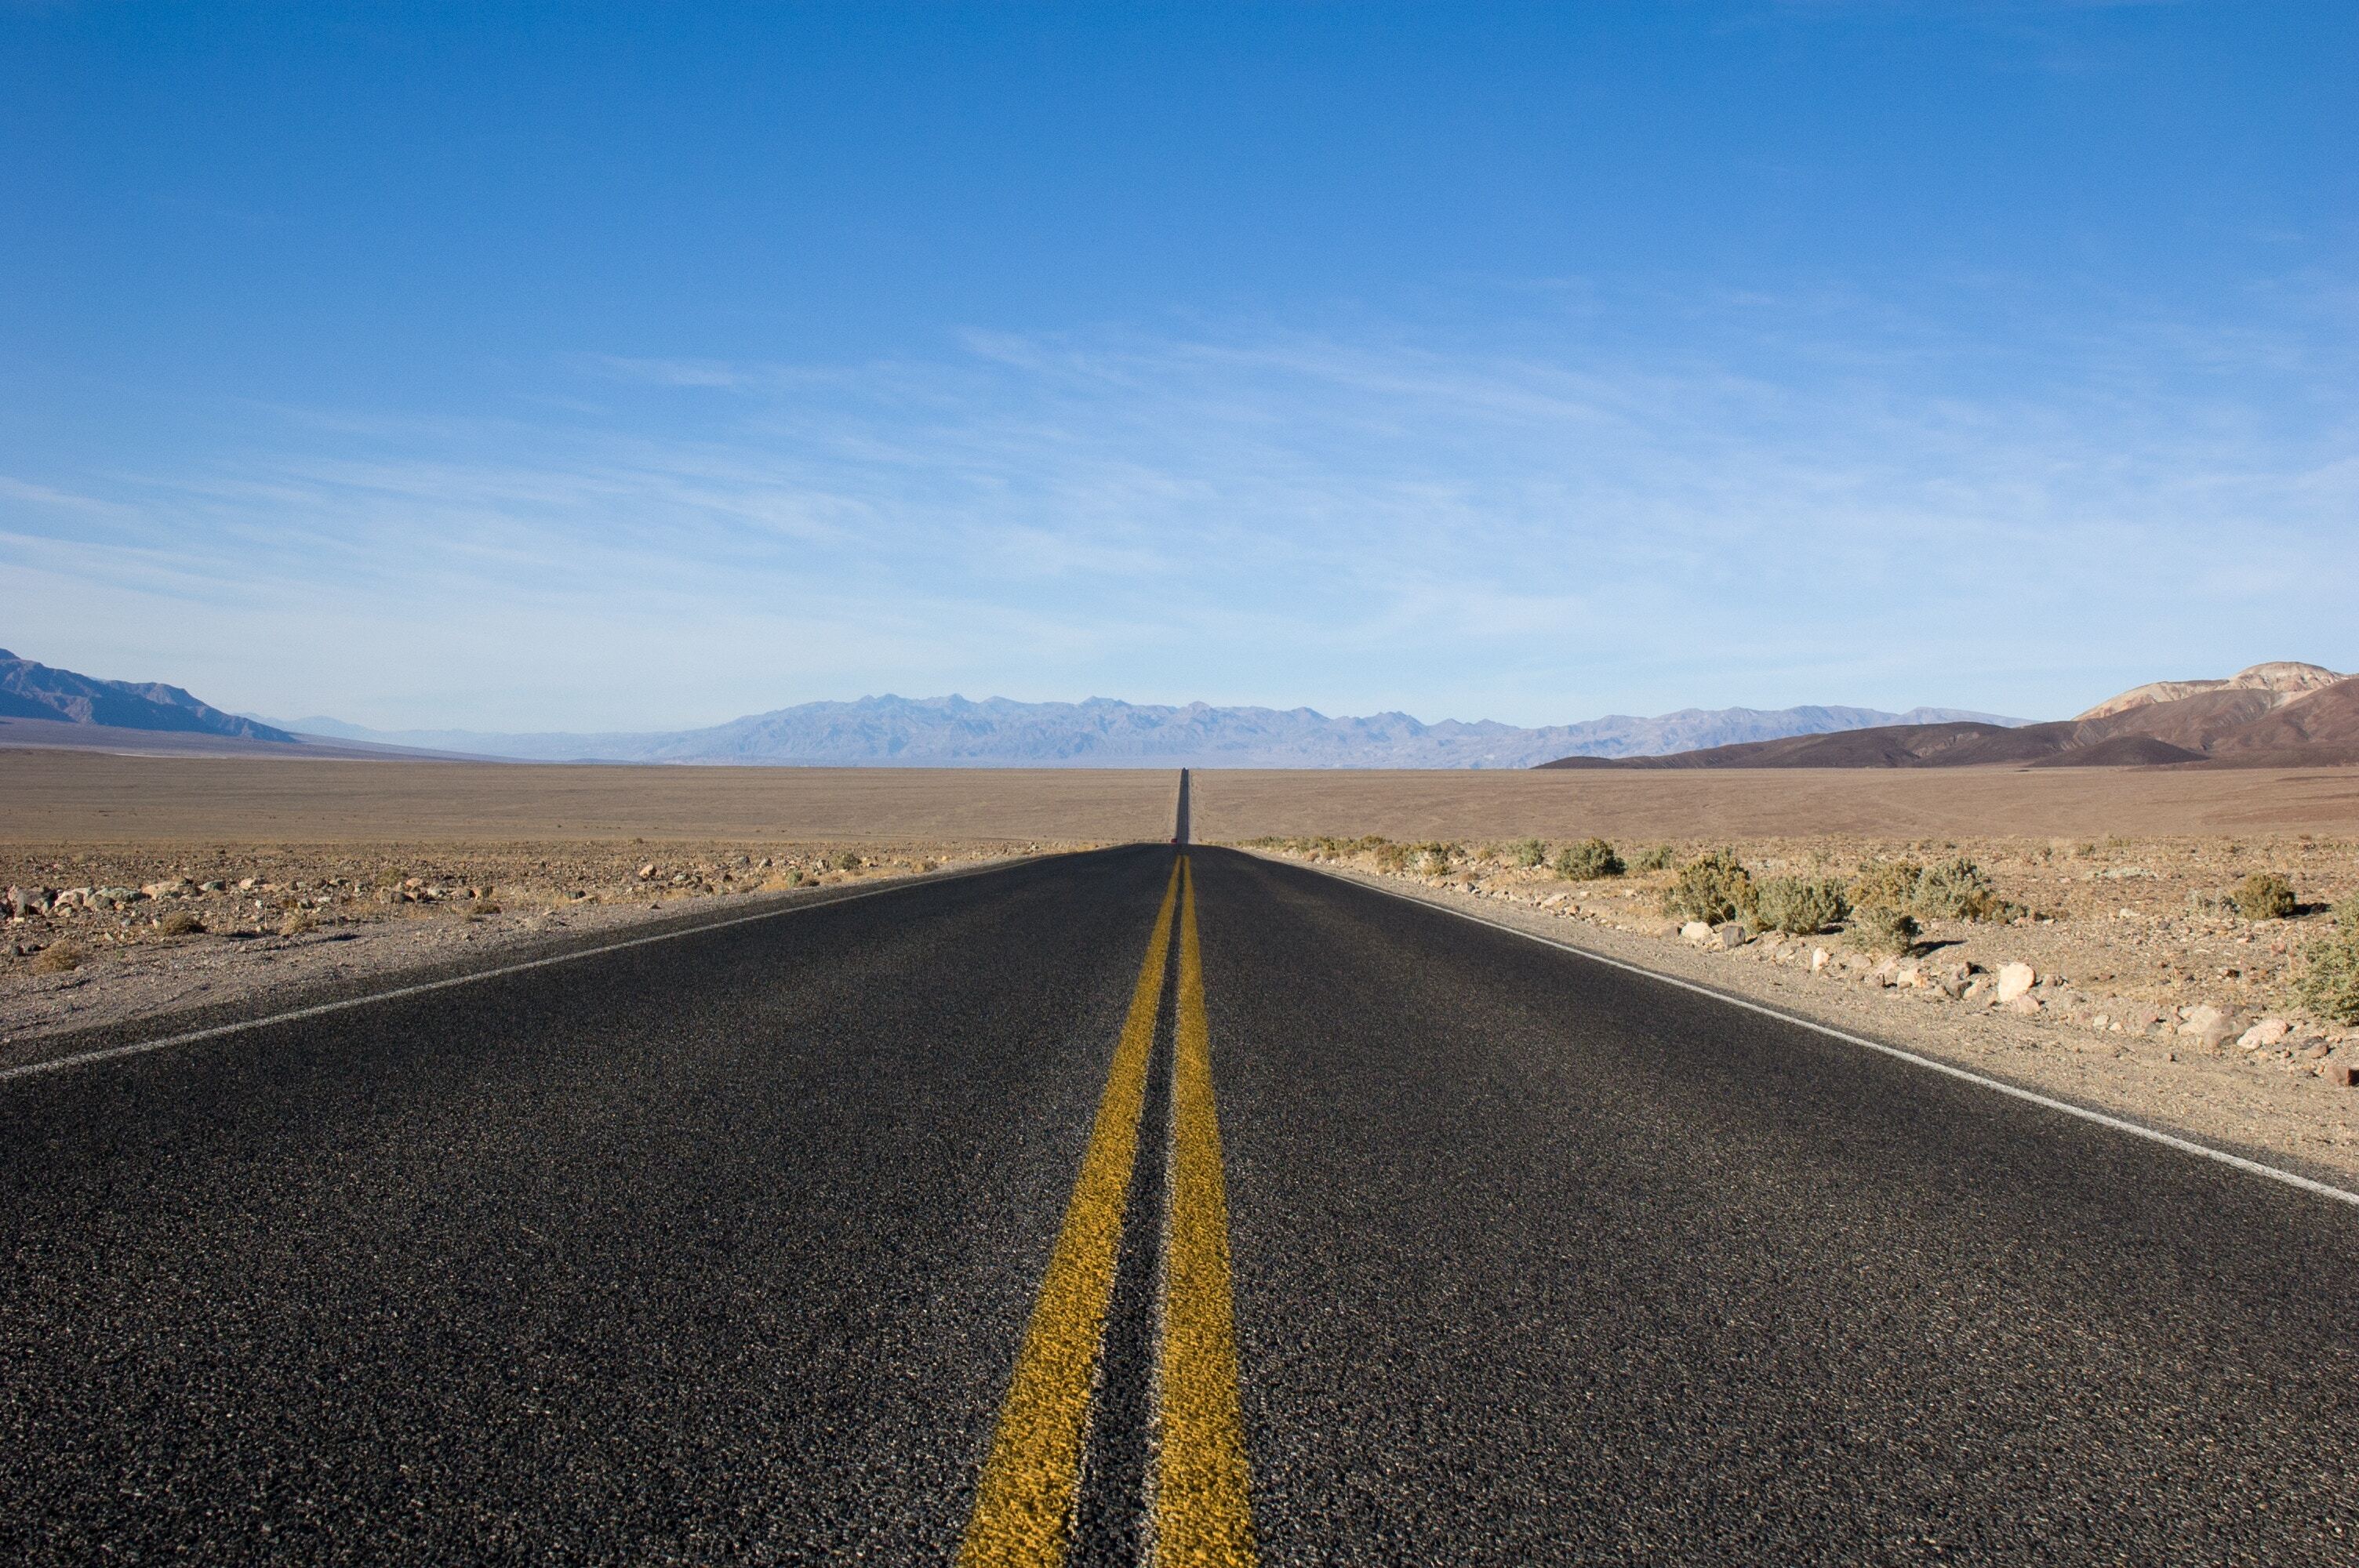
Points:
(134, 931)
(2145, 996)
(56, 797)
(1882, 801)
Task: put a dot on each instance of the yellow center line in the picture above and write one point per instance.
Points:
(1202, 1514)
(1024, 1507)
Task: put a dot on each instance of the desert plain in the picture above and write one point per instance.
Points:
(159, 889)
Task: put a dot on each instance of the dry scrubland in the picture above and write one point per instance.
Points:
(88, 798)
(2205, 983)
(1879, 803)
(2146, 995)
(2140, 990)
(107, 934)
(151, 884)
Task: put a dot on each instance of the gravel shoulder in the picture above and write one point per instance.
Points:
(135, 941)
(2121, 968)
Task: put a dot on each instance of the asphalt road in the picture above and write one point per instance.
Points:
(1395, 1239)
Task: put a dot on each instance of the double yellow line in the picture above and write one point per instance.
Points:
(1032, 1481)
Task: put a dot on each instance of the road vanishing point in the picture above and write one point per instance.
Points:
(1161, 1203)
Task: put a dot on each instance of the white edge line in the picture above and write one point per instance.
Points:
(2184, 1145)
(140, 1047)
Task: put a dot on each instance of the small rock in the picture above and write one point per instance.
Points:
(2267, 1031)
(1819, 959)
(2198, 1017)
(647, 871)
(1696, 930)
(1730, 934)
(2014, 981)
(2026, 1003)
(2208, 1025)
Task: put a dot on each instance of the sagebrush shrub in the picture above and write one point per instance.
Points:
(57, 958)
(1883, 929)
(1958, 890)
(1714, 887)
(2328, 982)
(1885, 884)
(1588, 861)
(1433, 856)
(845, 860)
(182, 922)
(1525, 853)
(2264, 895)
(1658, 859)
(1802, 905)
(1947, 890)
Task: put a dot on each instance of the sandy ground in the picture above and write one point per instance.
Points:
(85, 797)
(2121, 935)
(1894, 803)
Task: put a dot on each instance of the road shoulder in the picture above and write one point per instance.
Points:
(2301, 1124)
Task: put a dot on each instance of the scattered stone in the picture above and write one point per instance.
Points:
(2208, 1025)
(2014, 981)
(1696, 930)
(2267, 1031)
(2197, 1017)
(1819, 959)
(1730, 934)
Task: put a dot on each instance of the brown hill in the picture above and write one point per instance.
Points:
(2270, 716)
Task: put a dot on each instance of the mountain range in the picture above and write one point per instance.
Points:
(2280, 714)
(29, 690)
(952, 731)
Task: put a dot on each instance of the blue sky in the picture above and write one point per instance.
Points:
(614, 367)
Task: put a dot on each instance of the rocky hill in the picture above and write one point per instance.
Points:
(37, 691)
(2272, 715)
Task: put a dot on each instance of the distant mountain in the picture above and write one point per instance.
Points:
(951, 731)
(29, 690)
(2280, 715)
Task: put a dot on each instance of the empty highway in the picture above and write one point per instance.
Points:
(1142, 1205)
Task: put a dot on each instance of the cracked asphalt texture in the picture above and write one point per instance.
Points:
(720, 1249)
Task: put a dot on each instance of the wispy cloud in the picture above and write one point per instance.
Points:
(1819, 498)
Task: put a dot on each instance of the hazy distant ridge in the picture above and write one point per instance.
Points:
(1104, 732)
(31, 690)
